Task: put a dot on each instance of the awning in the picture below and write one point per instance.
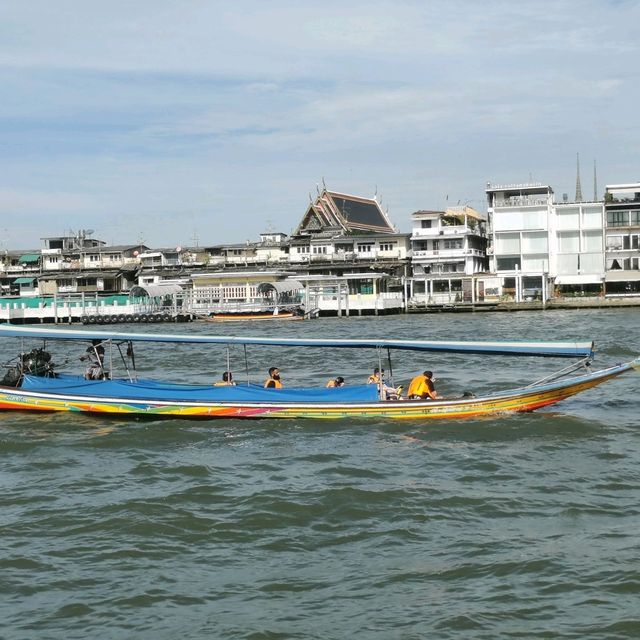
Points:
(461, 212)
(154, 290)
(29, 258)
(280, 287)
(23, 280)
(622, 276)
(578, 279)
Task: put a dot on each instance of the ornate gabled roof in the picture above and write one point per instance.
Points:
(344, 214)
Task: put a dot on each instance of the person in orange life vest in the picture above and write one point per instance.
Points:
(422, 387)
(273, 381)
(227, 380)
(377, 377)
(335, 382)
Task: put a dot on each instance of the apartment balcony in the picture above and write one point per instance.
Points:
(520, 201)
(447, 253)
(453, 230)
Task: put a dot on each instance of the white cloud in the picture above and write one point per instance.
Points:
(148, 111)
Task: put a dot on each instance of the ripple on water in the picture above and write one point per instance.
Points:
(512, 526)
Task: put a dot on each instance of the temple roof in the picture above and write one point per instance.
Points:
(344, 214)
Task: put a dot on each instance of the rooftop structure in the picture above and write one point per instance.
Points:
(340, 213)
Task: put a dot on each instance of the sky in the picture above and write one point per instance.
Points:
(203, 122)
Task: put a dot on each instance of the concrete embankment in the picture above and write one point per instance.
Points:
(534, 305)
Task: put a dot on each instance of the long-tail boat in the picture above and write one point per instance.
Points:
(33, 384)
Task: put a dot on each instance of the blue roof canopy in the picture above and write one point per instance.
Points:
(555, 349)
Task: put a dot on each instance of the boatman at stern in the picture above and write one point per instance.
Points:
(422, 387)
(273, 381)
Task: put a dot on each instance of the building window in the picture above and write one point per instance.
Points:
(617, 218)
(452, 244)
(508, 263)
(635, 217)
(365, 248)
(94, 257)
(425, 224)
(387, 246)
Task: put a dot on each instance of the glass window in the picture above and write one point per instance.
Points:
(508, 243)
(507, 221)
(534, 263)
(568, 263)
(617, 218)
(568, 218)
(569, 242)
(634, 217)
(614, 243)
(425, 224)
(592, 218)
(592, 241)
(508, 263)
(534, 242)
(591, 263)
(534, 220)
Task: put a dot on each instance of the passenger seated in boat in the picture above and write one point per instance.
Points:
(95, 357)
(377, 377)
(422, 387)
(227, 380)
(335, 382)
(273, 381)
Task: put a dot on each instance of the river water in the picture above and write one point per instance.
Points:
(521, 526)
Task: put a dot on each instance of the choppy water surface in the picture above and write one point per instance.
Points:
(519, 527)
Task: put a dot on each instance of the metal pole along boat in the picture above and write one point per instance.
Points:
(32, 384)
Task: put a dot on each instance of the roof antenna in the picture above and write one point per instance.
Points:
(595, 182)
(375, 195)
(323, 184)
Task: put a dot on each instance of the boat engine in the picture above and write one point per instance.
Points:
(36, 362)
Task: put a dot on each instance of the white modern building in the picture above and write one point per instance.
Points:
(539, 248)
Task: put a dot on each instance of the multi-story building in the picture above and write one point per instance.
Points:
(447, 247)
(519, 224)
(576, 249)
(622, 243)
(540, 248)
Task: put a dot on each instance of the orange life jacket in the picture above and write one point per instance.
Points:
(422, 387)
(271, 383)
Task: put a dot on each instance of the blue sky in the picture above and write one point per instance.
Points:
(170, 121)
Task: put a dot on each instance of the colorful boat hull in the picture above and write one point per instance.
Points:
(517, 400)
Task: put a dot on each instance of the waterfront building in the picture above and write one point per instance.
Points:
(622, 208)
(576, 249)
(19, 270)
(346, 247)
(518, 217)
(541, 249)
(273, 248)
(234, 291)
(448, 249)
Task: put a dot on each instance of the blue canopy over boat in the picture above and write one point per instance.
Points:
(555, 349)
(152, 390)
